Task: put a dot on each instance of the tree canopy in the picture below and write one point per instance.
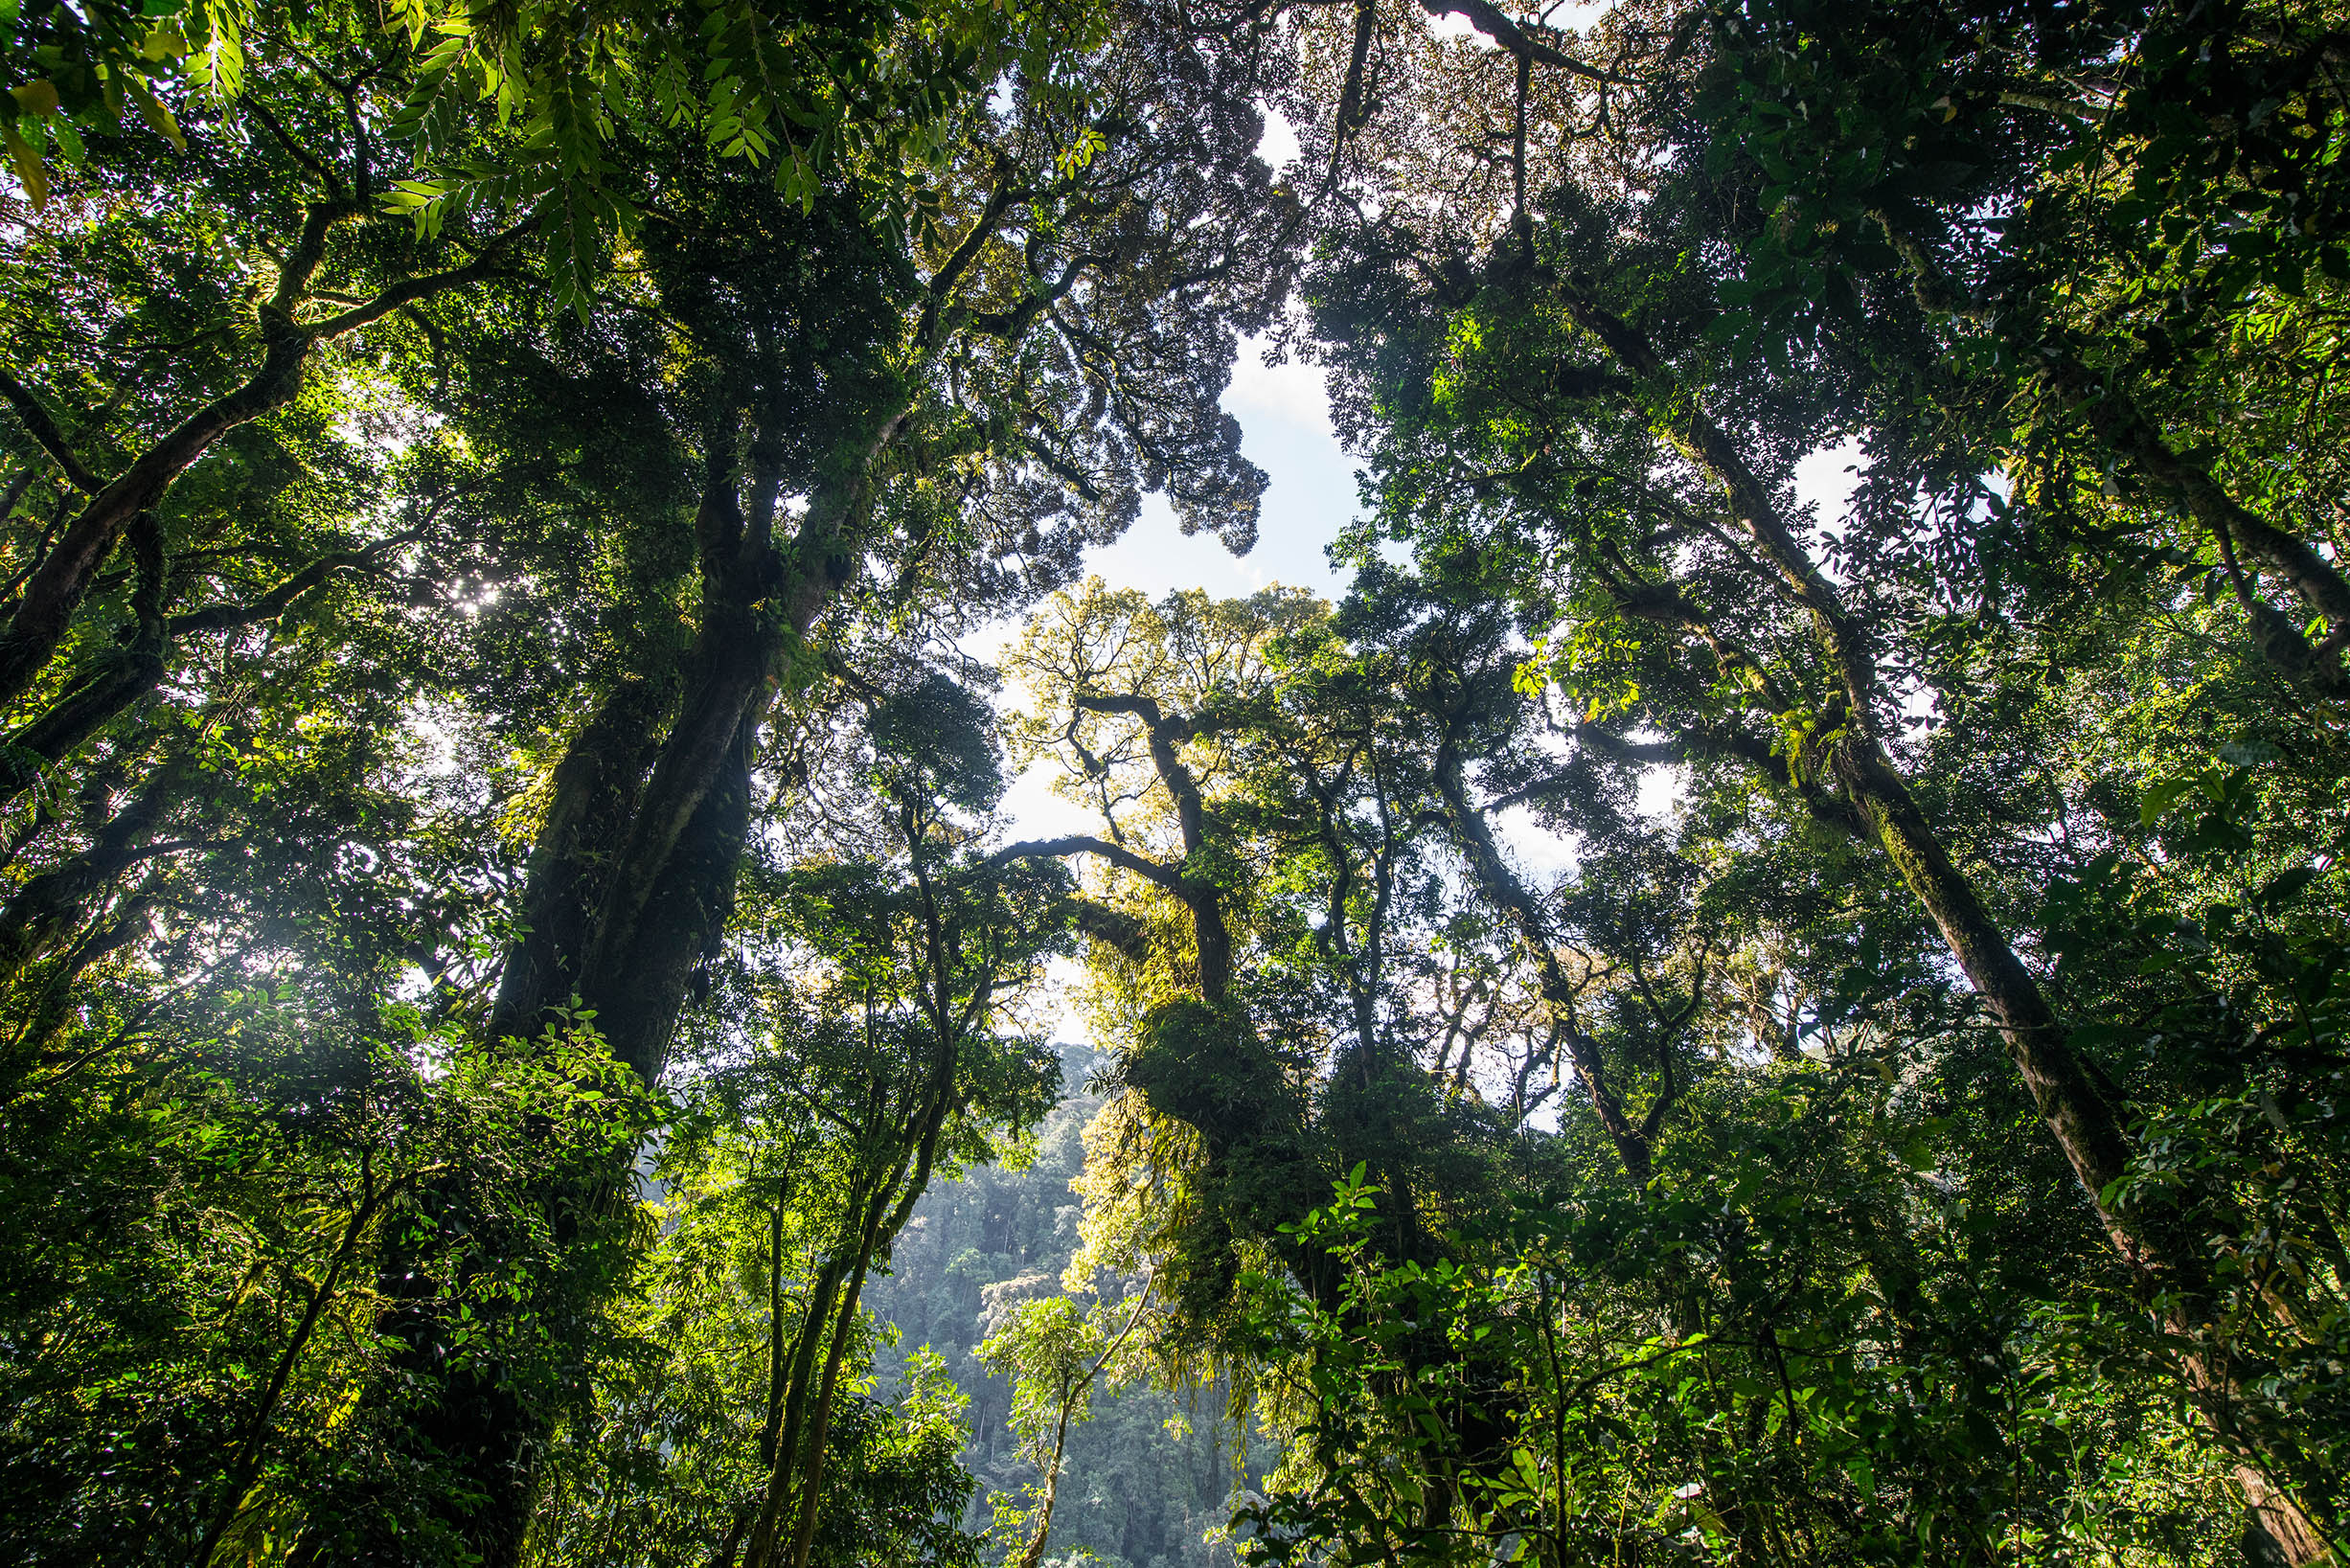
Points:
(1700, 1011)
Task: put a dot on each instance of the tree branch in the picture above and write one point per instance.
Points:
(45, 431)
(410, 290)
(1086, 844)
(1489, 19)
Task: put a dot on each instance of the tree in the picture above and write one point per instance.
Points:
(1055, 1356)
(1676, 1019)
(1563, 412)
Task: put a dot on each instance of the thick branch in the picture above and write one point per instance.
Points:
(44, 430)
(1489, 19)
(943, 285)
(1150, 870)
(1114, 928)
(57, 588)
(2116, 420)
(408, 291)
(1166, 732)
(274, 602)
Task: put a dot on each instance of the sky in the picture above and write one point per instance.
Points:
(1310, 494)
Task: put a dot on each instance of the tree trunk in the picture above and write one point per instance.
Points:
(2084, 1121)
(884, 1219)
(1033, 1553)
(633, 884)
(2087, 1127)
(814, 1322)
(820, 1423)
(637, 980)
(1500, 885)
(596, 788)
(245, 1468)
(1211, 937)
(106, 689)
(2125, 430)
(2115, 418)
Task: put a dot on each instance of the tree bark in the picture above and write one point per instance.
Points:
(631, 934)
(595, 790)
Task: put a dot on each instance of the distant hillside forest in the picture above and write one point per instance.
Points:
(1150, 1477)
(1763, 981)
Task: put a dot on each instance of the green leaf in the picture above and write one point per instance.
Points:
(2158, 799)
(2285, 887)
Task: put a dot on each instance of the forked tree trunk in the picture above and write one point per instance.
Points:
(814, 1320)
(798, 1465)
(630, 884)
(643, 901)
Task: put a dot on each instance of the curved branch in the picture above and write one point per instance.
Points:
(1117, 854)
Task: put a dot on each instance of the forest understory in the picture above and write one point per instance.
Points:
(1663, 1024)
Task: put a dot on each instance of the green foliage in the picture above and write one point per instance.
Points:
(1713, 1370)
(1826, 1031)
(869, 94)
(198, 1236)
